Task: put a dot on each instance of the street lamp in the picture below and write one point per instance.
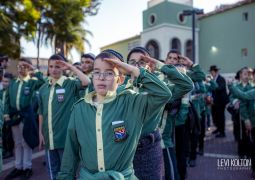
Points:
(193, 12)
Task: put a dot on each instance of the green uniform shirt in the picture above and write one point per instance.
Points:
(243, 106)
(103, 136)
(168, 123)
(196, 73)
(20, 91)
(248, 96)
(55, 103)
(178, 83)
(198, 76)
(3, 96)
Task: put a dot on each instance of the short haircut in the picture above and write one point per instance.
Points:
(138, 49)
(76, 64)
(113, 54)
(244, 68)
(89, 55)
(175, 51)
(27, 60)
(103, 55)
(57, 57)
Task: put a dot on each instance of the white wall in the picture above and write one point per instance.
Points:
(163, 35)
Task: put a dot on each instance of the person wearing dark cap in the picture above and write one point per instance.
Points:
(148, 161)
(220, 99)
(105, 127)
(87, 61)
(56, 98)
(18, 113)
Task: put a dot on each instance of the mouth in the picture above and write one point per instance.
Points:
(101, 86)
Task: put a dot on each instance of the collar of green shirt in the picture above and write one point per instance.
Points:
(27, 78)
(60, 81)
(110, 96)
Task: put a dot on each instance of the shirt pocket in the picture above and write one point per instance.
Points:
(120, 133)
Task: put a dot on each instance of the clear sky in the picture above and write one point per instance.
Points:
(116, 20)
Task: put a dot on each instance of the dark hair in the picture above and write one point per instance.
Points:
(237, 76)
(57, 57)
(27, 60)
(88, 55)
(3, 58)
(114, 54)
(8, 75)
(244, 68)
(76, 63)
(138, 49)
(173, 51)
(103, 55)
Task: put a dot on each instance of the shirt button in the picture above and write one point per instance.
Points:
(98, 114)
(101, 168)
(98, 130)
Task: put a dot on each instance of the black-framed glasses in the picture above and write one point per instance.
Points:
(139, 63)
(108, 75)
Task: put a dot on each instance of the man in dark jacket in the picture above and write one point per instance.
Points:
(220, 99)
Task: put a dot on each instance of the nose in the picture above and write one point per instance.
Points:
(101, 76)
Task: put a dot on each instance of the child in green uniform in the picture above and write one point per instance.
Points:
(105, 127)
(8, 144)
(87, 61)
(18, 112)
(148, 161)
(56, 98)
(241, 106)
(173, 124)
(249, 123)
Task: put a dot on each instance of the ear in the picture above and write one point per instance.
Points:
(121, 79)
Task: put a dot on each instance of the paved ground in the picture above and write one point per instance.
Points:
(207, 168)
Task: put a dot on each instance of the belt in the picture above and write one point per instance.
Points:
(149, 139)
(107, 175)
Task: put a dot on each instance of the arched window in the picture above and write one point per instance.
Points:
(153, 48)
(189, 49)
(176, 44)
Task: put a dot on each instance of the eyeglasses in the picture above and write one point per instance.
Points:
(139, 63)
(21, 67)
(108, 75)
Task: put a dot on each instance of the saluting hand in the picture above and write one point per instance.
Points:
(64, 65)
(185, 61)
(27, 65)
(124, 68)
(152, 61)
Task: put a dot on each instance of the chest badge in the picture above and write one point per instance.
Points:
(120, 133)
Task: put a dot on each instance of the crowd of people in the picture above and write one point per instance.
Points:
(110, 117)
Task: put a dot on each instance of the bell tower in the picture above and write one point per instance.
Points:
(165, 27)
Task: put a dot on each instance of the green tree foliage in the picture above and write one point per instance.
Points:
(58, 23)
